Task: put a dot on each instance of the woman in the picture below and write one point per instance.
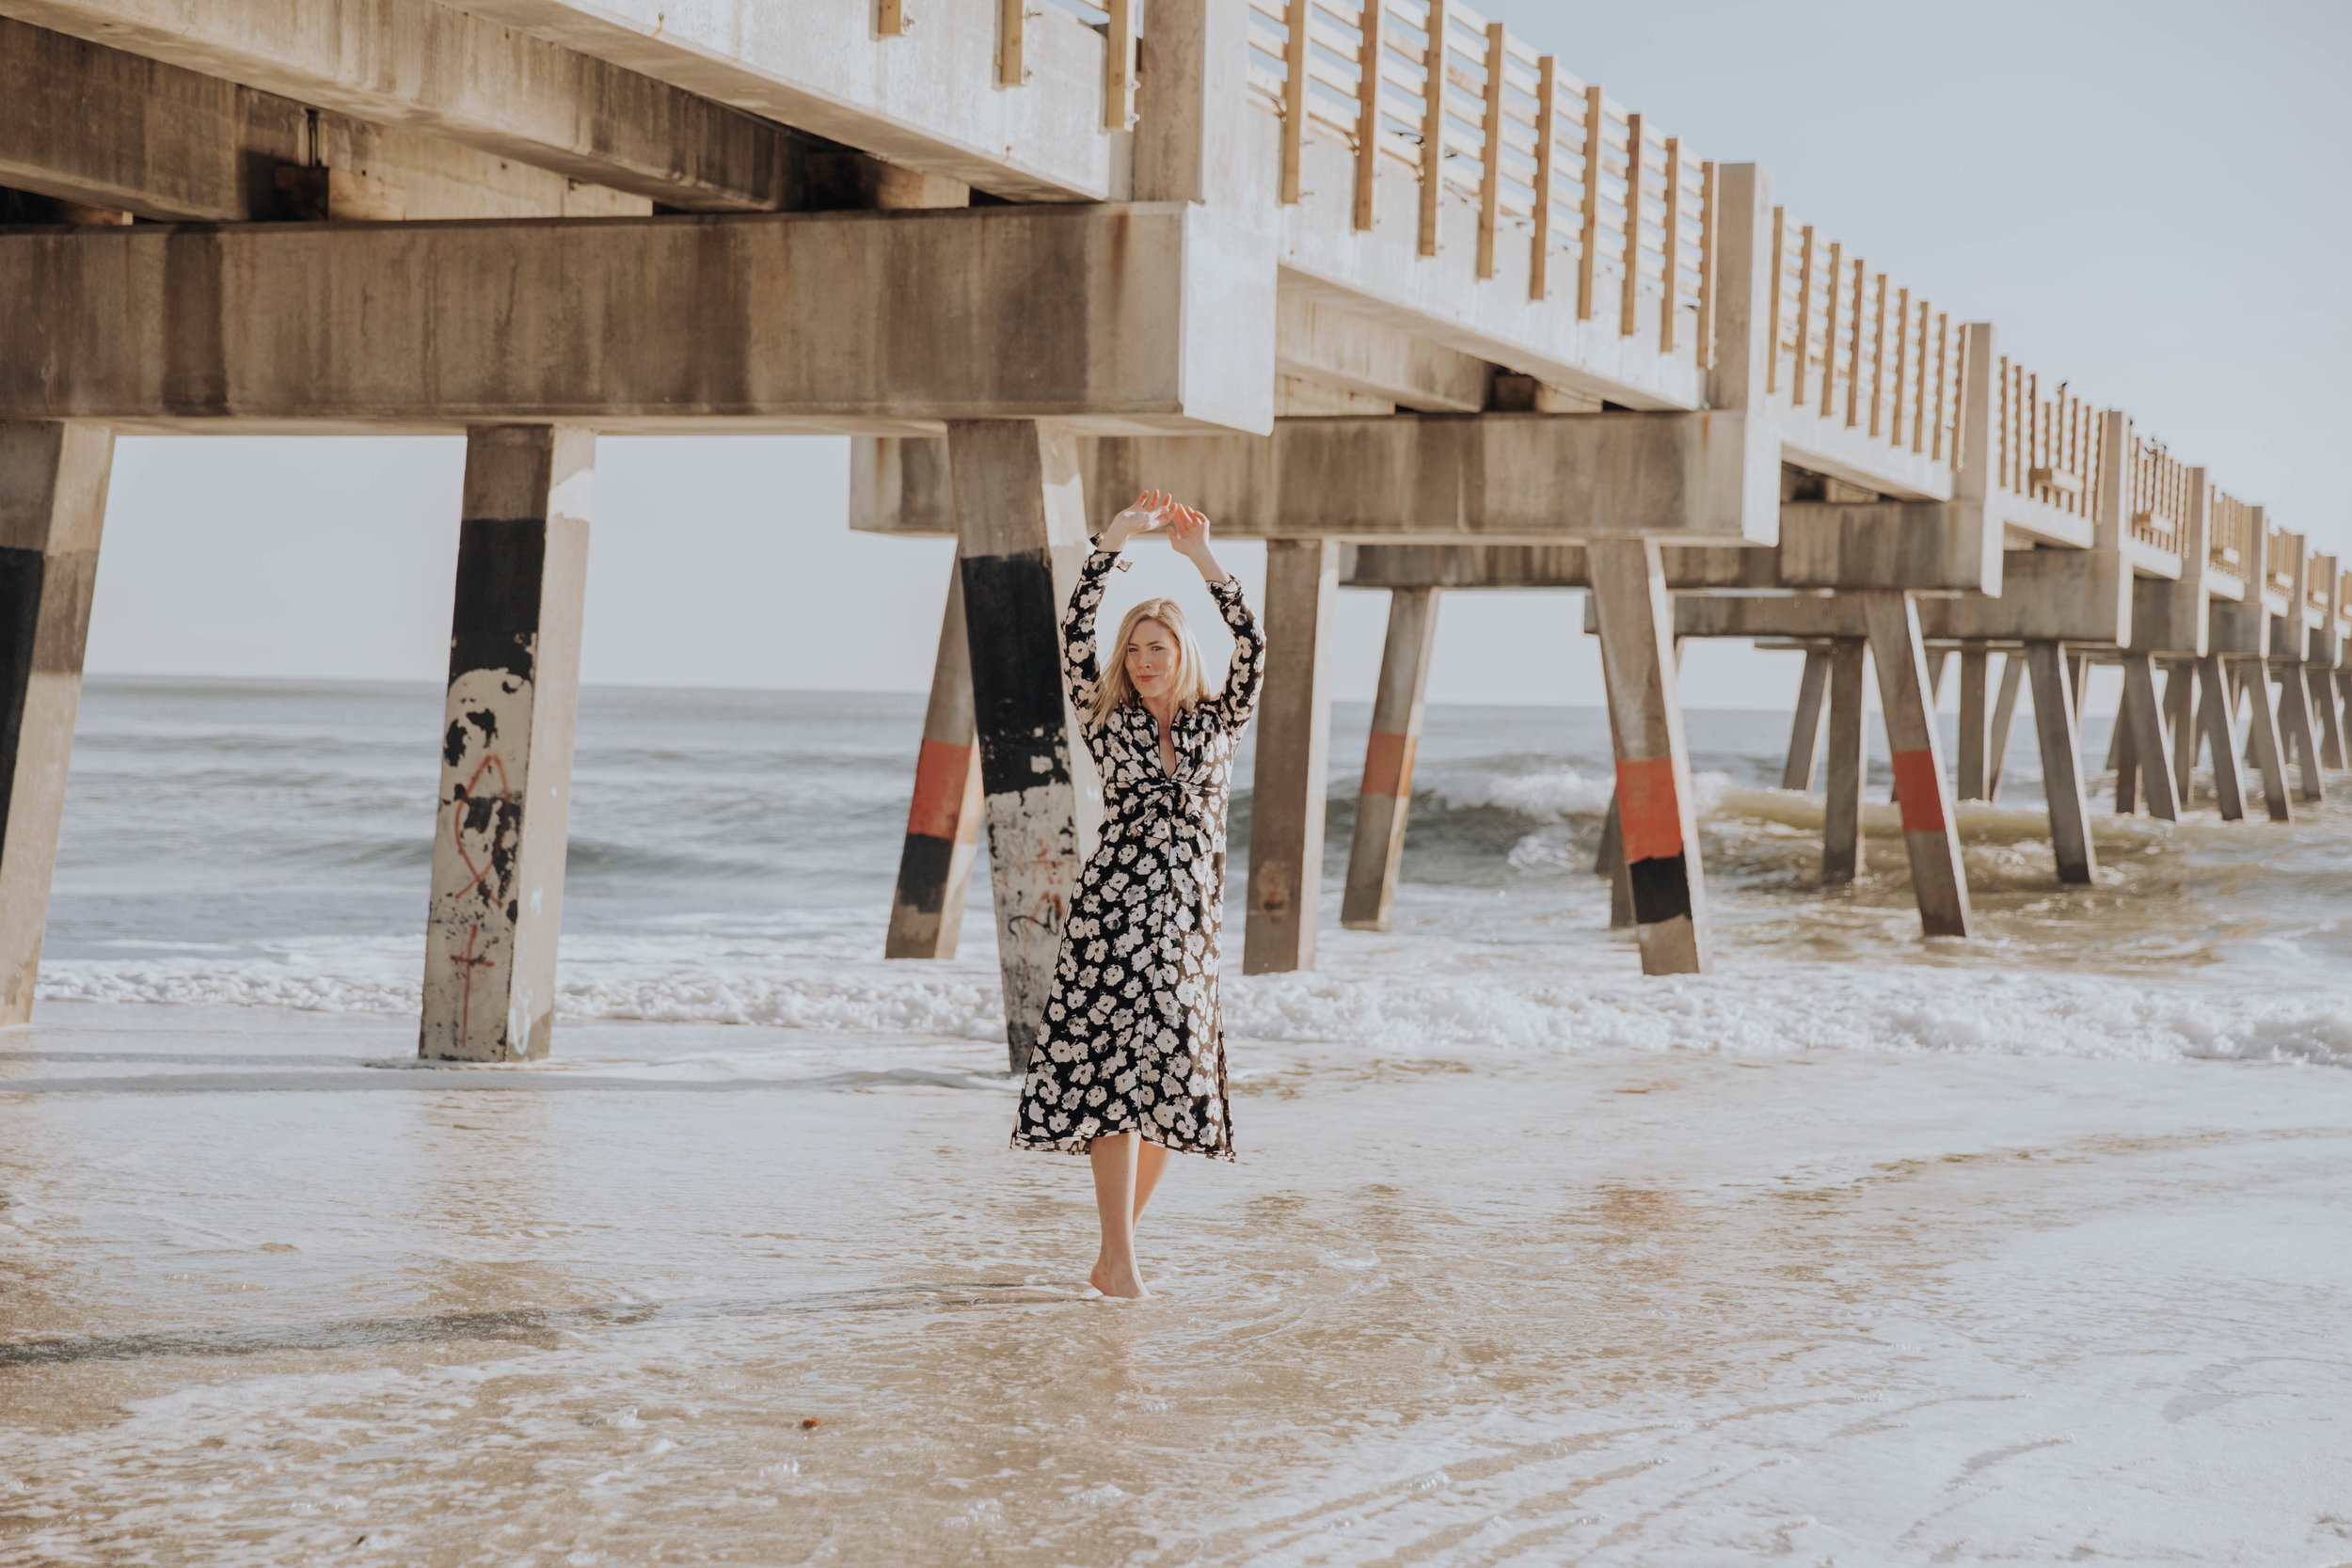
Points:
(1133, 1061)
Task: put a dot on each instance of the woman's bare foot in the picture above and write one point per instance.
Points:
(1121, 1283)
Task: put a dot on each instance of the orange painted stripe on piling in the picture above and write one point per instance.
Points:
(1919, 785)
(941, 773)
(1647, 812)
(1389, 764)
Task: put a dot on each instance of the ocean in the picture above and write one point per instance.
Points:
(1863, 1249)
(732, 852)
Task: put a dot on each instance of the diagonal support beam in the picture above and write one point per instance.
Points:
(2056, 726)
(1385, 798)
(1656, 813)
(1930, 833)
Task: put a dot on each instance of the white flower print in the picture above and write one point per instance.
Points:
(1134, 994)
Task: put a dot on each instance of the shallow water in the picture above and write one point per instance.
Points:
(1863, 1249)
(750, 1295)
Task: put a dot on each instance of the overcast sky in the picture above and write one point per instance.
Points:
(2150, 199)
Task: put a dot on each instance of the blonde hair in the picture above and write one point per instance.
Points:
(1114, 690)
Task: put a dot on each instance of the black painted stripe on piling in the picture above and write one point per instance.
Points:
(500, 563)
(1662, 889)
(923, 873)
(21, 576)
(1010, 613)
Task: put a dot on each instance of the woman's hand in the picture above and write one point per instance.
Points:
(1189, 532)
(1149, 511)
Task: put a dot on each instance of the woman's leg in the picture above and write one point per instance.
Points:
(1115, 1199)
(1151, 1160)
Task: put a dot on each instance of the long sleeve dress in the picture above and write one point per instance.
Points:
(1133, 1039)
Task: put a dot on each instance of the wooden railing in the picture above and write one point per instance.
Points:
(2230, 534)
(1617, 216)
(1856, 349)
(2279, 575)
(2320, 584)
(2156, 494)
(2046, 448)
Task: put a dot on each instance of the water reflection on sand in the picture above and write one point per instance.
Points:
(1461, 1306)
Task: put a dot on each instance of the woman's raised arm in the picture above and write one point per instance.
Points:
(1081, 670)
(1189, 532)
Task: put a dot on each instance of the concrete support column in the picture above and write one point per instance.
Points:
(1929, 833)
(1848, 762)
(2056, 726)
(1805, 734)
(1019, 540)
(506, 750)
(53, 506)
(2340, 697)
(1287, 790)
(943, 823)
(2146, 758)
(2004, 717)
(2295, 719)
(1387, 795)
(2180, 722)
(1976, 725)
(2219, 734)
(1656, 815)
(2262, 741)
(2322, 682)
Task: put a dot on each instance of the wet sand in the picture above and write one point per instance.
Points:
(696, 1293)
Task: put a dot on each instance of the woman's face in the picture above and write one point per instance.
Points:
(1154, 659)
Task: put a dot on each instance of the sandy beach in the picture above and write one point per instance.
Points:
(750, 1295)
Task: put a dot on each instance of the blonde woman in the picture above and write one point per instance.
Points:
(1133, 1061)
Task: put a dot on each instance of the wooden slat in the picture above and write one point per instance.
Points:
(1771, 358)
(1433, 125)
(1595, 127)
(1492, 175)
(1294, 101)
(1011, 24)
(1368, 114)
(1673, 305)
(1119, 63)
(1630, 293)
(1854, 344)
(1878, 354)
(1703, 330)
(1805, 318)
(1547, 136)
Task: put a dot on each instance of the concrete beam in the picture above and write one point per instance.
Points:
(92, 124)
(1316, 341)
(1123, 317)
(1494, 477)
(930, 98)
(435, 69)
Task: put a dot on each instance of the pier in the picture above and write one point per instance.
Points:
(1374, 281)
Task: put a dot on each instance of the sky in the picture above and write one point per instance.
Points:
(2147, 200)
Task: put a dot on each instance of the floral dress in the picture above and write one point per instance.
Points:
(1134, 1040)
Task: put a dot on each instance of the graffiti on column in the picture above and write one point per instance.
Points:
(470, 933)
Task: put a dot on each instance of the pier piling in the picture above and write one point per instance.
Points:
(944, 822)
(506, 748)
(1386, 796)
(1849, 763)
(2055, 727)
(1930, 834)
(53, 508)
(1294, 740)
(1654, 810)
(1021, 538)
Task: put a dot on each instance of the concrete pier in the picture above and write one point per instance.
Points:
(1386, 796)
(2056, 728)
(944, 822)
(2216, 733)
(1021, 515)
(1294, 742)
(506, 747)
(1937, 877)
(1656, 814)
(2147, 759)
(53, 508)
(1805, 730)
(1848, 762)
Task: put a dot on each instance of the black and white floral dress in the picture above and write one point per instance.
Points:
(1133, 1039)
